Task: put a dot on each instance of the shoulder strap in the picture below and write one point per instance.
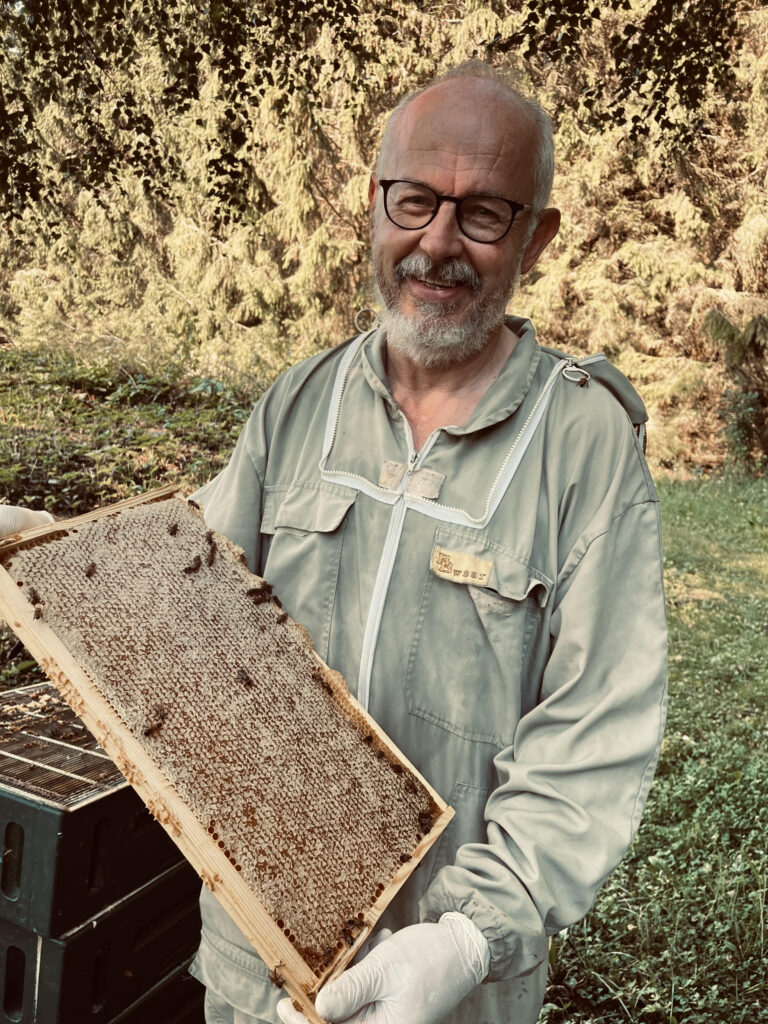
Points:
(599, 368)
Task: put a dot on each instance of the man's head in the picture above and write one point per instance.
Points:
(444, 293)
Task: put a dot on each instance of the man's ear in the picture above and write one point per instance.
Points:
(546, 229)
(373, 185)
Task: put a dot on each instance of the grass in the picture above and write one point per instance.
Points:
(678, 934)
(74, 436)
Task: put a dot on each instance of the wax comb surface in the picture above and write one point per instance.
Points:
(245, 746)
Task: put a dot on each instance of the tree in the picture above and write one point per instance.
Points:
(189, 183)
(663, 57)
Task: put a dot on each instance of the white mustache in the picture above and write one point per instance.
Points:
(450, 273)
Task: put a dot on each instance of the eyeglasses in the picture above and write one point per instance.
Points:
(411, 206)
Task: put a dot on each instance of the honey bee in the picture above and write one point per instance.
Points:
(193, 504)
(425, 821)
(89, 572)
(242, 676)
(195, 566)
(173, 529)
(157, 715)
(319, 677)
(211, 548)
(276, 977)
(259, 595)
(281, 618)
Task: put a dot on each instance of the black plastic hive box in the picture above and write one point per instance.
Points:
(177, 999)
(98, 970)
(75, 836)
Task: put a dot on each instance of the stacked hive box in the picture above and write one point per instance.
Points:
(98, 913)
(314, 818)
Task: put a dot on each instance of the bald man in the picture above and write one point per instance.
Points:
(465, 523)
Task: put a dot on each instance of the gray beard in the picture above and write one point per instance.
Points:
(429, 338)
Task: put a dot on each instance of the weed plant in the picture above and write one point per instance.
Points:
(678, 934)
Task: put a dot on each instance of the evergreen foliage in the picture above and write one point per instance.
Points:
(745, 402)
(185, 186)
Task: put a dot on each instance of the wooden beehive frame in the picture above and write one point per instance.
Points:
(146, 775)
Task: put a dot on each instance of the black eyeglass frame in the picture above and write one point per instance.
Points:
(387, 183)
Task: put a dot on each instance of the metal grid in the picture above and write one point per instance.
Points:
(45, 749)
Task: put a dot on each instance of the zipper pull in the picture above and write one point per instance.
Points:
(412, 459)
(575, 373)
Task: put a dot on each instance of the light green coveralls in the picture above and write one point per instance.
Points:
(496, 602)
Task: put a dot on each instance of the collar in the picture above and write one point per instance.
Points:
(501, 399)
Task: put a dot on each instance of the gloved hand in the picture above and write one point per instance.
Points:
(415, 976)
(14, 519)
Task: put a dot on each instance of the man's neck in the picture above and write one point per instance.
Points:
(440, 396)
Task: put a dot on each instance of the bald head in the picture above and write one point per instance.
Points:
(477, 102)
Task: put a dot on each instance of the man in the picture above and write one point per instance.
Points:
(466, 525)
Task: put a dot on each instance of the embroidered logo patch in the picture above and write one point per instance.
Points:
(460, 566)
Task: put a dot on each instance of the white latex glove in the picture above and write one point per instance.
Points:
(415, 976)
(14, 519)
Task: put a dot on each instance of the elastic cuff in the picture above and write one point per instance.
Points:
(482, 961)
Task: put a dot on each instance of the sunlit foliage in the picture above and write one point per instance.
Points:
(187, 185)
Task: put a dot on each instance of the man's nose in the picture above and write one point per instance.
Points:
(442, 238)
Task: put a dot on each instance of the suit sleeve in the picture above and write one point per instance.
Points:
(232, 501)
(572, 786)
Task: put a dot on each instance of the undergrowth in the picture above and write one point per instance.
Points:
(678, 934)
(75, 435)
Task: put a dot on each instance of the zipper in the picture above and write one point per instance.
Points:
(508, 468)
(575, 373)
(386, 565)
(339, 387)
(400, 502)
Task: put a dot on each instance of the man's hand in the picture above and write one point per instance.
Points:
(14, 519)
(415, 976)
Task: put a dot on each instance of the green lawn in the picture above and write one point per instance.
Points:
(678, 933)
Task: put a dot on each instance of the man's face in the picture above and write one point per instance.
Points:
(443, 294)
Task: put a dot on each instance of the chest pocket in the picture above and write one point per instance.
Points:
(302, 536)
(479, 611)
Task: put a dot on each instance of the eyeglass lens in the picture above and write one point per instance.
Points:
(482, 218)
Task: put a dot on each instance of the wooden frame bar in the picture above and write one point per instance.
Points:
(146, 775)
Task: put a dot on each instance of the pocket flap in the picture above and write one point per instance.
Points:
(481, 564)
(314, 510)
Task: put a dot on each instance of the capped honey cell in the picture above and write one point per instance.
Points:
(296, 794)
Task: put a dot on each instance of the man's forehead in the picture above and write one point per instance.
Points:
(469, 126)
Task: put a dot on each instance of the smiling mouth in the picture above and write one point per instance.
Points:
(437, 284)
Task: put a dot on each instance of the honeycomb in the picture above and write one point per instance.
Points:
(259, 738)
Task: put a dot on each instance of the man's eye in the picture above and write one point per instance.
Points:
(414, 201)
(486, 214)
